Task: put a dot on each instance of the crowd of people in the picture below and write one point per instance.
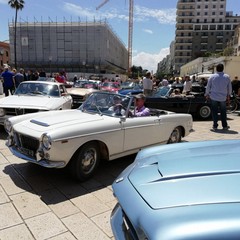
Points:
(11, 78)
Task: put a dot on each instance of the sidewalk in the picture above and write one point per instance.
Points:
(38, 203)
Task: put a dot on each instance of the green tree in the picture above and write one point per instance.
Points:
(228, 51)
(17, 5)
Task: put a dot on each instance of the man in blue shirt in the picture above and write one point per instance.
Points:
(8, 83)
(218, 90)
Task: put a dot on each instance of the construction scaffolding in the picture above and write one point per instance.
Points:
(73, 46)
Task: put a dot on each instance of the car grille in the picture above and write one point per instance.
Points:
(19, 111)
(77, 100)
(27, 145)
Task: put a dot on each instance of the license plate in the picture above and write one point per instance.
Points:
(27, 152)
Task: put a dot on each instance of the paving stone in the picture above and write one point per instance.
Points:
(104, 195)
(103, 222)
(45, 226)
(7, 170)
(90, 205)
(58, 203)
(83, 228)
(3, 160)
(8, 216)
(28, 204)
(14, 185)
(19, 232)
(3, 196)
(64, 236)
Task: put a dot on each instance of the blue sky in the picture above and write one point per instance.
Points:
(154, 21)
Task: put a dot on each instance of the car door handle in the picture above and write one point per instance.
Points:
(157, 120)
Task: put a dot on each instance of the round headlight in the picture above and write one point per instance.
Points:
(2, 112)
(8, 126)
(46, 141)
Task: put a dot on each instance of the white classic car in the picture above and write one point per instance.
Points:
(79, 95)
(35, 96)
(96, 131)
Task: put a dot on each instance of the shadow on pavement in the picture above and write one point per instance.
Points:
(56, 185)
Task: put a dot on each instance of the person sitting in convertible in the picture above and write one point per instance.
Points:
(140, 109)
(176, 93)
(117, 106)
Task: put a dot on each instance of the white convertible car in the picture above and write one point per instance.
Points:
(34, 96)
(96, 131)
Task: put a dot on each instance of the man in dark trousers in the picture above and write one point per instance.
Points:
(218, 90)
(8, 82)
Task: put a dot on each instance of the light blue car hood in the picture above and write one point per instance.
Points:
(167, 176)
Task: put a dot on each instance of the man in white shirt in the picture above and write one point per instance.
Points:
(147, 84)
(187, 86)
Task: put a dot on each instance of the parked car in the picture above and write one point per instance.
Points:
(35, 96)
(180, 191)
(80, 94)
(195, 103)
(136, 89)
(128, 85)
(79, 138)
(110, 87)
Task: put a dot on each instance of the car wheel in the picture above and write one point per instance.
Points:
(85, 161)
(176, 135)
(204, 112)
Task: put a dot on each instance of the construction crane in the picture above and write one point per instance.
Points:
(130, 31)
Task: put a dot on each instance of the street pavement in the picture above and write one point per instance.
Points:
(39, 203)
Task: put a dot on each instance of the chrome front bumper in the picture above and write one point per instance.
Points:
(117, 223)
(43, 162)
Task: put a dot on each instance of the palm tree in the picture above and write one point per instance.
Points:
(17, 5)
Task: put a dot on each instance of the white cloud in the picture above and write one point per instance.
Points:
(150, 61)
(166, 16)
(148, 31)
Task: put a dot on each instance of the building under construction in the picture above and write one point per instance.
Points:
(90, 47)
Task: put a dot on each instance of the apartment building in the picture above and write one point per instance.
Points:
(202, 27)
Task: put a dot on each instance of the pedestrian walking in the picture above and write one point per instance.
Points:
(218, 91)
(147, 84)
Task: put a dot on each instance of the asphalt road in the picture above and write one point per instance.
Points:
(39, 203)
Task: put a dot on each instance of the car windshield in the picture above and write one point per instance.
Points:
(37, 88)
(162, 92)
(109, 104)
